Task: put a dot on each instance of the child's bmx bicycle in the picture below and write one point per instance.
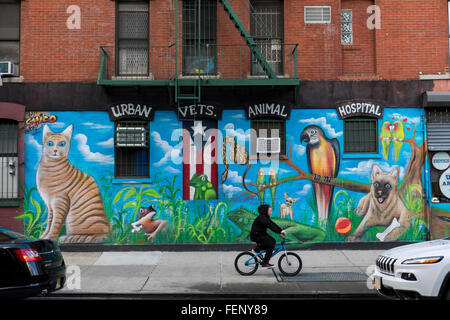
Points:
(289, 263)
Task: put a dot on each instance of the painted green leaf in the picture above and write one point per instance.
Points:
(118, 196)
(130, 204)
(36, 205)
(131, 193)
(28, 214)
(151, 193)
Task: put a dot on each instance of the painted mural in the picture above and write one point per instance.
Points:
(317, 192)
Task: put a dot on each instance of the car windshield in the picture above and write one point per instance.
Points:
(8, 235)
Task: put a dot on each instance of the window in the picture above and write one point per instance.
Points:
(9, 133)
(199, 38)
(10, 32)
(268, 137)
(132, 39)
(361, 135)
(346, 27)
(266, 28)
(131, 149)
(317, 14)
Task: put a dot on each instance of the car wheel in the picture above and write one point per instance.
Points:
(447, 293)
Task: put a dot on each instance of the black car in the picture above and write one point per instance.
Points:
(29, 267)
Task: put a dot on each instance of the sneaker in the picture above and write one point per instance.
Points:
(267, 266)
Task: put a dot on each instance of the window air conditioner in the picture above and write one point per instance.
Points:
(131, 137)
(6, 68)
(317, 14)
(268, 145)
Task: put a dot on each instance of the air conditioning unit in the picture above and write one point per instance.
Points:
(131, 137)
(6, 68)
(317, 14)
(268, 145)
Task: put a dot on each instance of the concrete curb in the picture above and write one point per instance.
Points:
(89, 247)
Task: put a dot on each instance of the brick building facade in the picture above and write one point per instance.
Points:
(165, 66)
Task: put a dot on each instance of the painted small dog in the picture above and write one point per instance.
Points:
(286, 207)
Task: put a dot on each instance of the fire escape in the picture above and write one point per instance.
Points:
(191, 63)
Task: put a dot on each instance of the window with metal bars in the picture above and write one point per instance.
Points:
(131, 149)
(199, 37)
(9, 134)
(266, 28)
(268, 137)
(361, 135)
(132, 38)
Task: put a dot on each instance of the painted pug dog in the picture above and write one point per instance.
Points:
(381, 205)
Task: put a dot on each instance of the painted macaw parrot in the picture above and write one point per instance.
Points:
(398, 134)
(323, 157)
(273, 189)
(261, 183)
(385, 136)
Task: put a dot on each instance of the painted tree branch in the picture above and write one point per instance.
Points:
(301, 175)
(413, 175)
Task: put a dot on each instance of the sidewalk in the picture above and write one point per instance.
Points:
(212, 272)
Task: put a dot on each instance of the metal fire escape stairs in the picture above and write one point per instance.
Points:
(195, 93)
(251, 43)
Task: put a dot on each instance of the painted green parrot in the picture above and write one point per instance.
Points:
(261, 183)
(386, 138)
(398, 134)
(273, 189)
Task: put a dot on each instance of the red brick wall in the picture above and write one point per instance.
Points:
(319, 44)
(413, 38)
(51, 52)
(359, 58)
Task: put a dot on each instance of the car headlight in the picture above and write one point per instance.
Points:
(424, 260)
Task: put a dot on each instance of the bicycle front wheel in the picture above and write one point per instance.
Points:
(245, 263)
(290, 264)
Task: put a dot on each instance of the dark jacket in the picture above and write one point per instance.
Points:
(260, 226)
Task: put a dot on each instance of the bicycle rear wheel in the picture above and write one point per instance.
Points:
(290, 264)
(245, 263)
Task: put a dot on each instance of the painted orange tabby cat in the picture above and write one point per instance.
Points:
(71, 195)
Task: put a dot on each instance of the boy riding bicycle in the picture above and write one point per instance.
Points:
(259, 233)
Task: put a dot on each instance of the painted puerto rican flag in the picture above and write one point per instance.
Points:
(200, 154)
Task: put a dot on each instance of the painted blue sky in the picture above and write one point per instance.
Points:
(92, 147)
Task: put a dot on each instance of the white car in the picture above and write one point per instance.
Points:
(415, 271)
